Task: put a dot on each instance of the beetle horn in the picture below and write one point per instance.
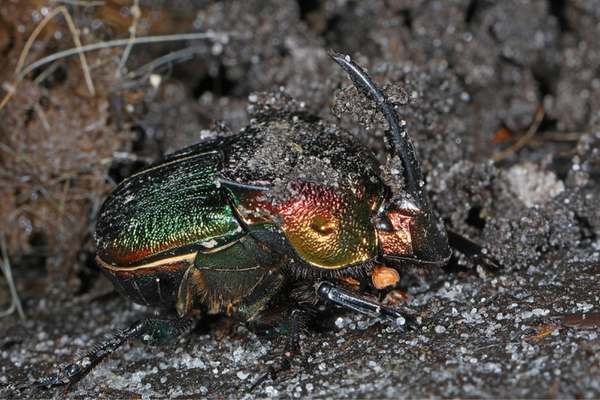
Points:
(430, 243)
(397, 138)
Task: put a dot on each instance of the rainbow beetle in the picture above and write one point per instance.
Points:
(284, 212)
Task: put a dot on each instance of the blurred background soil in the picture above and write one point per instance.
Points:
(502, 101)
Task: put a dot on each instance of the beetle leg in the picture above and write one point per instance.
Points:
(149, 330)
(472, 250)
(347, 299)
(290, 350)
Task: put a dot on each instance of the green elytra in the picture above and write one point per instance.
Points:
(189, 204)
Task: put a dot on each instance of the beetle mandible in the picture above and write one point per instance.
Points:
(215, 228)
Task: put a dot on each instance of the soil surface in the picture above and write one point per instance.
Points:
(501, 101)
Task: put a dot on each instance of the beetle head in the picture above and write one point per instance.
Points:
(408, 233)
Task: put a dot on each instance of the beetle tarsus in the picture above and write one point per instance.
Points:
(472, 250)
(149, 330)
(290, 350)
(352, 301)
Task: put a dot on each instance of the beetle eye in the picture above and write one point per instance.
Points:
(323, 226)
(383, 223)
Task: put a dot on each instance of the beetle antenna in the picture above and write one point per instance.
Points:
(398, 140)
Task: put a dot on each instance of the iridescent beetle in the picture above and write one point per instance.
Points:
(283, 212)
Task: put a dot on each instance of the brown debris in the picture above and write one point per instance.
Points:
(543, 330)
(54, 165)
(56, 145)
(350, 281)
(574, 321)
(396, 296)
(581, 321)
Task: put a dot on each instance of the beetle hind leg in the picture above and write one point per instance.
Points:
(150, 330)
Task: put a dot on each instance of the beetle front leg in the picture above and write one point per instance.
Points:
(149, 330)
(472, 250)
(352, 301)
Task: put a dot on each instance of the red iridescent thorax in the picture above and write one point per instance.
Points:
(328, 227)
(397, 242)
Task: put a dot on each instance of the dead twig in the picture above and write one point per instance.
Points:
(523, 140)
(136, 12)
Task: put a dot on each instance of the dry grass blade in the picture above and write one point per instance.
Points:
(10, 91)
(174, 57)
(74, 33)
(7, 271)
(123, 42)
(81, 3)
(11, 88)
(522, 142)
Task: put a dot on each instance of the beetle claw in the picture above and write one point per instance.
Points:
(273, 372)
(269, 374)
(50, 382)
(47, 383)
(68, 375)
